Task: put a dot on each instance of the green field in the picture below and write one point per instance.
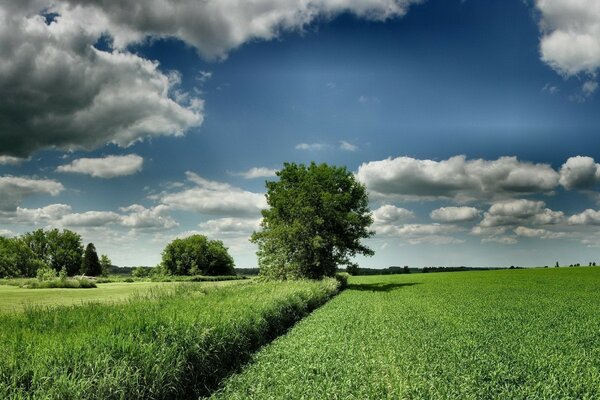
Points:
(14, 298)
(178, 342)
(518, 334)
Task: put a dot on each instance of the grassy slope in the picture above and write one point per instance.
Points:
(177, 344)
(13, 298)
(464, 335)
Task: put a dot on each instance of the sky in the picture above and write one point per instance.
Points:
(474, 125)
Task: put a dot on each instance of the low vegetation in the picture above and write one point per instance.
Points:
(511, 334)
(169, 344)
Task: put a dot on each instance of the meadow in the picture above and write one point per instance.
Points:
(170, 343)
(16, 299)
(512, 334)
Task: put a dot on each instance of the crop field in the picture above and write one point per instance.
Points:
(512, 334)
(170, 343)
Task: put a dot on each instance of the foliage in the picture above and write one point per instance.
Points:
(91, 265)
(46, 273)
(342, 278)
(166, 345)
(522, 334)
(59, 283)
(105, 264)
(56, 249)
(17, 259)
(196, 255)
(316, 219)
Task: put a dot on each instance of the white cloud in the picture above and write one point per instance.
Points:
(570, 41)
(230, 227)
(548, 88)
(520, 212)
(216, 198)
(388, 214)
(140, 217)
(8, 160)
(107, 167)
(215, 27)
(579, 173)
(312, 146)
(537, 233)
(61, 215)
(413, 230)
(59, 91)
(14, 189)
(508, 240)
(347, 146)
(257, 172)
(454, 214)
(587, 217)
(455, 178)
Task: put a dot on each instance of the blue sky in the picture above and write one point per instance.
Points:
(473, 124)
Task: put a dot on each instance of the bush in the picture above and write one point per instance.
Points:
(342, 278)
(58, 283)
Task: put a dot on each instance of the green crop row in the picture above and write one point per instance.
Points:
(169, 344)
(518, 334)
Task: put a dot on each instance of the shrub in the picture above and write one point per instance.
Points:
(342, 278)
(195, 255)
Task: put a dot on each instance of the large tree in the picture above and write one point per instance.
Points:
(196, 254)
(91, 265)
(316, 219)
(57, 249)
(17, 259)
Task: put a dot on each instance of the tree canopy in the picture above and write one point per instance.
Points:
(56, 249)
(196, 255)
(91, 265)
(316, 219)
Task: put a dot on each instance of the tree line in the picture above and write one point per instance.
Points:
(51, 250)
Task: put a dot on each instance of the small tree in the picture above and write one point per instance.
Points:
(90, 264)
(195, 255)
(106, 264)
(316, 219)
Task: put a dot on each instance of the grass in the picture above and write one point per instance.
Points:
(16, 299)
(170, 344)
(58, 283)
(520, 334)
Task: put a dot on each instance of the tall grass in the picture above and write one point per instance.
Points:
(164, 345)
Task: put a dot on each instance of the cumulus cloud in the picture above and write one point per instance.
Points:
(6, 233)
(587, 217)
(139, 217)
(215, 27)
(579, 173)
(455, 178)
(230, 227)
(257, 172)
(214, 198)
(388, 214)
(62, 215)
(520, 212)
(538, 233)
(59, 91)
(570, 41)
(14, 189)
(106, 167)
(454, 214)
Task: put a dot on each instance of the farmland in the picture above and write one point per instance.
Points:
(464, 335)
(169, 343)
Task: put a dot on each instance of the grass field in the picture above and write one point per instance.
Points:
(519, 334)
(176, 343)
(14, 298)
